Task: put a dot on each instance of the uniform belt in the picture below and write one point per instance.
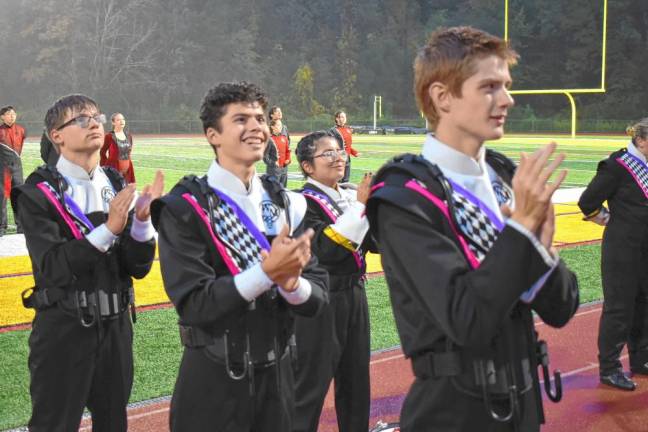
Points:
(454, 363)
(437, 364)
(110, 304)
(195, 337)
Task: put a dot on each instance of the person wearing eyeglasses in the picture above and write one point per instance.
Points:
(117, 148)
(88, 236)
(12, 138)
(335, 344)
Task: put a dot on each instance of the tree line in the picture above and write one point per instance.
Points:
(156, 58)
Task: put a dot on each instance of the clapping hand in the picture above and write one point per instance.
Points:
(149, 193)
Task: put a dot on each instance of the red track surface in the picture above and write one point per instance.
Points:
(586, 405)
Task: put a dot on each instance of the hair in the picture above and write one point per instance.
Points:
(56, 113)
(6, 109)
(307, 146)
(215, 102)
(112, 117)
(638, 130)
(273, 109)
(449, 57)
(337, 113)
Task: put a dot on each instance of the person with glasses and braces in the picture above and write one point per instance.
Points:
(88, 235)
(335, 344)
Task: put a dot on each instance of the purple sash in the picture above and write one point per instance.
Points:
(494, 219)
(74, 218)
(333, 213)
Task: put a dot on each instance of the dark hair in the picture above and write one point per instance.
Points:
(56, 113)
(307, 146)
(217, 98)
(337, 113)
(273, 109)
(4, 110)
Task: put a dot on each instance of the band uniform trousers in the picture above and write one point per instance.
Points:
(12, 175)
(347, 170)
(204, 394)
(65, 355)
(336, 345)
(625, 290)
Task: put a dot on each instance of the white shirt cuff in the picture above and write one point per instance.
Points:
(352, 225)
(101, 238)
(252, 282)
(300, 295)
(142, 231)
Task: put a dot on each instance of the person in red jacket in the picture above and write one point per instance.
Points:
(343, 134)
(117, 148)
(12, 138)
(277, 152)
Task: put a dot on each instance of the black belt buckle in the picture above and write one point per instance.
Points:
(186, 336)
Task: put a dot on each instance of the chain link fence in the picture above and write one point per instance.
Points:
(171, 127)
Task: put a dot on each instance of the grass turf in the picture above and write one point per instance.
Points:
(181, 155)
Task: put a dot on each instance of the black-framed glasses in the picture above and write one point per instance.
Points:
(332, 155)
(83, 121)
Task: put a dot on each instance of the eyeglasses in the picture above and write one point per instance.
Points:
(333, 155)
(83, 121)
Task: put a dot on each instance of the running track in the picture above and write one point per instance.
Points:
(586, 405)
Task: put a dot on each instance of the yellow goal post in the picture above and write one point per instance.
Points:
(567, 92)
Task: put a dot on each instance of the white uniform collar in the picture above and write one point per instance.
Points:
(473, 175)
(634, 151)
(453, 160)
(333, 193)
(224, 180)
(70, 169)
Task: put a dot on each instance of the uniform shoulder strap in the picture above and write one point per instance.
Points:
(275, 189)
(500, 163)
(51, 175)
(199, 188)
(116, 179)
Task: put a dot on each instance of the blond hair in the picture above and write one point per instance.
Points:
(638, 130)
(449, 57)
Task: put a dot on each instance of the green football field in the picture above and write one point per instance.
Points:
(178, 156)
(156, 346)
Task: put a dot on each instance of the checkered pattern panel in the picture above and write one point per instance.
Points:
(242, 246)
(639, 170)
(475, 225)
(324, 201)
